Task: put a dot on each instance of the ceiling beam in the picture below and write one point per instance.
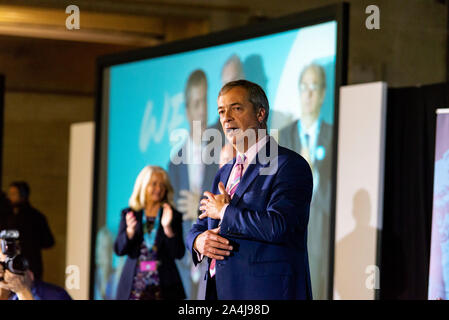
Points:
(144, 6)
(124, 29)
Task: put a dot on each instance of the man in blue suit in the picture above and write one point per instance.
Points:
(253, 228)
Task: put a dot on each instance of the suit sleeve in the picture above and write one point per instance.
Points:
(122, 244)
(175, 246)
(200, 226)
(287, 211)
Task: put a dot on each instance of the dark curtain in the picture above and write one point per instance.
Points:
(2, 92)
(5, 208)
(408, 192)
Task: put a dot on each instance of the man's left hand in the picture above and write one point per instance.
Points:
(19, 284)
(212, 205)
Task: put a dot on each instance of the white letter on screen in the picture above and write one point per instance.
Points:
(147, 127)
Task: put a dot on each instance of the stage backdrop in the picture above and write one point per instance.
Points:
(360, 185)
(144, 119)
(439, 250)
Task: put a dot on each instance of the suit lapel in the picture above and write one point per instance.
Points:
(248, 177)
(251, 173)
(224, 177)
(226, 173)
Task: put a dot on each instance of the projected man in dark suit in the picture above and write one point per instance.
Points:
(311, 137)
(232, 70)
(191, 177)
(253, 228)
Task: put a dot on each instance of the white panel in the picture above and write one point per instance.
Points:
(359, 193)
(81, 160)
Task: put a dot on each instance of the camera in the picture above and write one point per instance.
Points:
(14, 261)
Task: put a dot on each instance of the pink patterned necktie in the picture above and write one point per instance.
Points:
(230, 189)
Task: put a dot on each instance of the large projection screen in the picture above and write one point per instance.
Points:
(148, 101)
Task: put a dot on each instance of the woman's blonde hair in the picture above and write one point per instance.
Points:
(138, 197)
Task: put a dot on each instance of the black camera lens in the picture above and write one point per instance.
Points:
(9, 247)
(17, 264)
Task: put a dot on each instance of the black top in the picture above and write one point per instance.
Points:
(35, 235)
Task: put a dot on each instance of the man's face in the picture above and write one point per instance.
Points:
(14, 195)
(197, 105)
(311, 93)
(237, 114)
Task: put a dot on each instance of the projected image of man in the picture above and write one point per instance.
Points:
(192, 177)
(232, 70)
(311, 137)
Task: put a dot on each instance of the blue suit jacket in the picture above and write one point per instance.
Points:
(266, 223)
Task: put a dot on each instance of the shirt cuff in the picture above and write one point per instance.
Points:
(198, 255)
(222, 212)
